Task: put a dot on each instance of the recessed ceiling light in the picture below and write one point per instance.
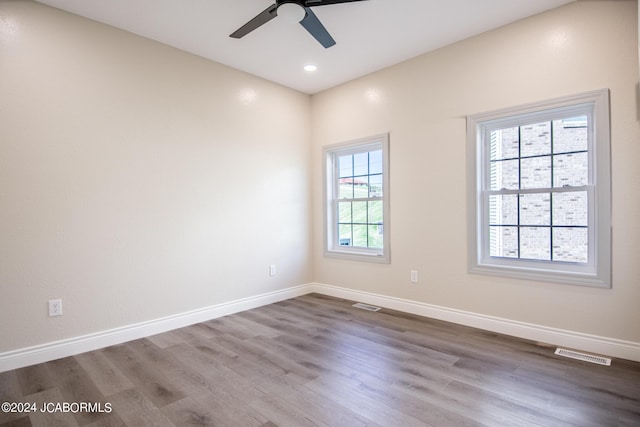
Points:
(310, 67)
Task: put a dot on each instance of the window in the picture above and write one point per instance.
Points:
(357, 199)
(539, 191)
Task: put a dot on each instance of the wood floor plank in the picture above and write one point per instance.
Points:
(285, 323)
(416, 348)
(322, 320)
(256, 363)
(272, 319)
(210, 347)
(223, 383)
(258, 328)
(203, 411)
(282, 413)
(111, 420)
(34, 379)
(232, 328)
(104, 374)
(497, 410)
(50, 418)
(180, 375)
(316, 360)
(10, 391)
(593, 401)
(347, 392)
(150, 381)
(136, 410)
(416, 373)
(327, 411)
(22, 421)
(76, 386)
(167, 339)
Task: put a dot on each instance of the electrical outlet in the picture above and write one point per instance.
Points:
(272, 270)
(55, 307)
(414, 276)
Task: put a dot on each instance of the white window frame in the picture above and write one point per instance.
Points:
(597, 271)
(331, 153)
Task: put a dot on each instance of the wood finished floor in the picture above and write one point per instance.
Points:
(316, 361)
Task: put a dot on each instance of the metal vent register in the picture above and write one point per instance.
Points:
(366, 306)
(583, 356)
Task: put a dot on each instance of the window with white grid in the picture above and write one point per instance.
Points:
(356, 200)
(540, 191)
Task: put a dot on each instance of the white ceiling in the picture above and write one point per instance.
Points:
(370, 35)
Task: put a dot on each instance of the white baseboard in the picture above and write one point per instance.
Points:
(575, 340)
(69, 347)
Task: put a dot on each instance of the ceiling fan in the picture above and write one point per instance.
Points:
(299, 10)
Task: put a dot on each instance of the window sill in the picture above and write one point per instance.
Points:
(358, 256)
(543, 275)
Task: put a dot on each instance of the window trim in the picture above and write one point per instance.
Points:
(596, 273)
(331, 244)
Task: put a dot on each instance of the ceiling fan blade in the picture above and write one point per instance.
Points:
(313, 25)
(262, 18)
(313, 3)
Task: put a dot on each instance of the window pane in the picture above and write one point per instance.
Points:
(346, 166)
(503, 242)
(361, 164)
(375, 162)
(360, 235)
(503, 209)
(535, 139)
(535, 209)
(535, 243)
(375, 186)
(536, 172)
(570, 244)
(375, 212)
(570, 170)
(375, 236)
(344, 231)
(571, 208)
(570, 135)
(360, 187)
(359, 212)
(504, 143)
(504, 175)
(344, 212)
(346, 188)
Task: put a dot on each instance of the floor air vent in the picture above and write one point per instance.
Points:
(366, 306)
(583, 356)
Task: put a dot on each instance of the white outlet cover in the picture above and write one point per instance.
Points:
(55, 307)
(414, 276)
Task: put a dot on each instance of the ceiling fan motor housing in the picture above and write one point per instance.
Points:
(290, 10)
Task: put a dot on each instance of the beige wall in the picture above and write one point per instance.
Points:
(138, 181)
(423, 104)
